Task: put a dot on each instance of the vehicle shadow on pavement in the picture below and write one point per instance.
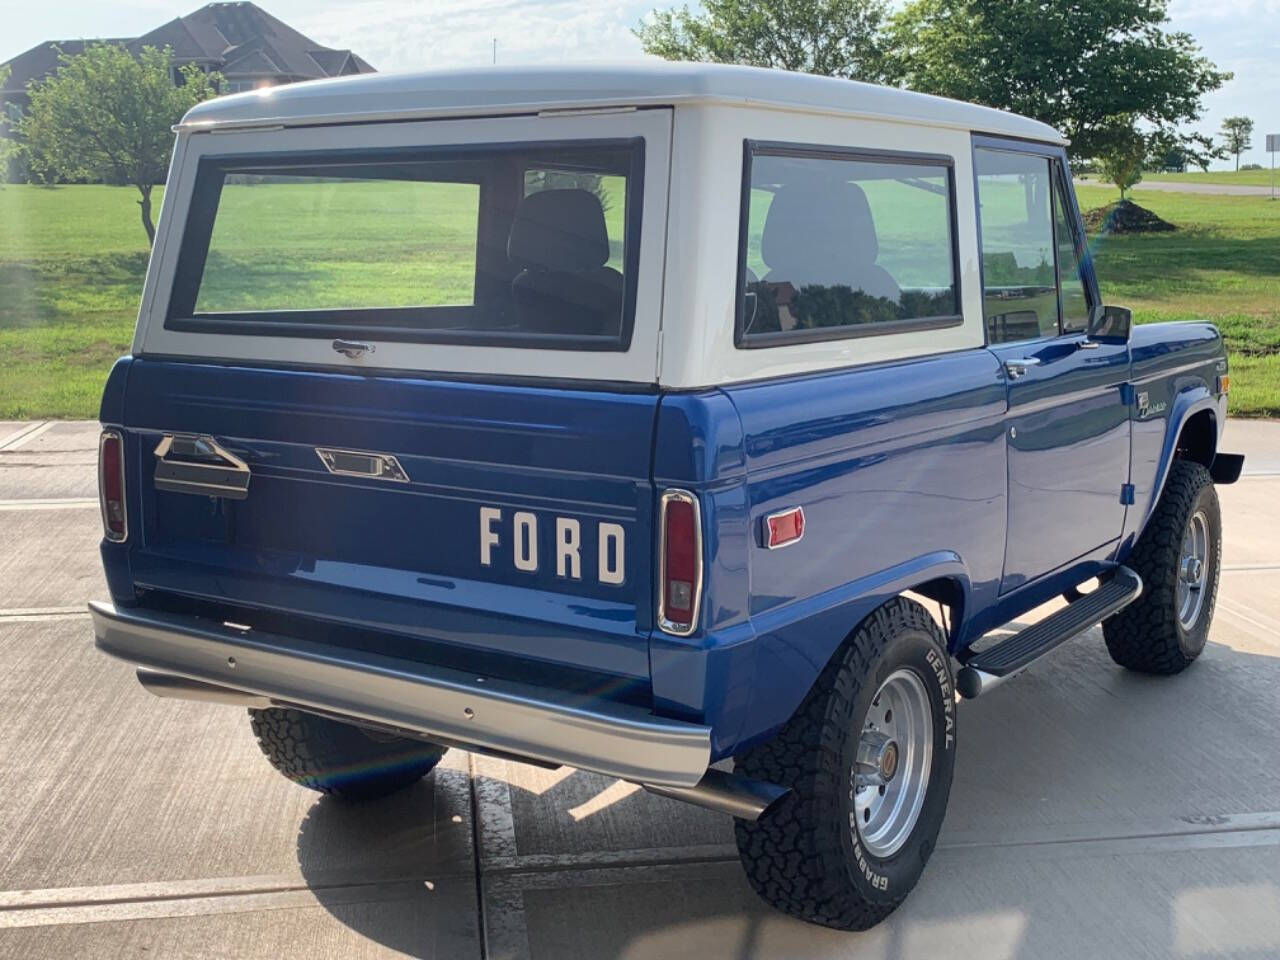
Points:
(399, 870)
(1091, 806)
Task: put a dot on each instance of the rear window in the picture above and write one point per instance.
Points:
(838, 243)
(520, 245)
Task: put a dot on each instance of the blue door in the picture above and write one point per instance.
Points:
(1067, 429)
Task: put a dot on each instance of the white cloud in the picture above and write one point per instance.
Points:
(1242, 36)
(1245, 13)
(411, 34)
(1238, 35)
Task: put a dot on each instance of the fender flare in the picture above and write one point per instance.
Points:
(826, 622)
(1186, 404)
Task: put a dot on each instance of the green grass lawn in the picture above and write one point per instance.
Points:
(1222, 265)
(1248, 178)
(1243, 178)
(72, 260)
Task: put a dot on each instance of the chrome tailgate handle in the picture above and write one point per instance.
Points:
(201, 466)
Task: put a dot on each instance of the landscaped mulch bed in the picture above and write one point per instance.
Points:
(1125, 216)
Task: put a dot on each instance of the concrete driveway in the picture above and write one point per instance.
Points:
(1095, 813)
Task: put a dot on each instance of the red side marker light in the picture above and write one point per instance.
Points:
(784, 528)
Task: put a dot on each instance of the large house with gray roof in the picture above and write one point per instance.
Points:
(240, 40)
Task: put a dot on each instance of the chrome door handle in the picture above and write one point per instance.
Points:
(1016, 368)
(352, 349)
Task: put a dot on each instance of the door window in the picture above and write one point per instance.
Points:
(1020, 295)
(1073, 299)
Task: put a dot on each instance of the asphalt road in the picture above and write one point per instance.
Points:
(1095, 813)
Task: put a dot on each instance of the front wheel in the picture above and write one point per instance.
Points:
(1179, 558)
(341, 759)
(869, 758)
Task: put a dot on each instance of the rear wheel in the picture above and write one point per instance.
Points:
(1179, 558)
(341, 759)
(869, 758)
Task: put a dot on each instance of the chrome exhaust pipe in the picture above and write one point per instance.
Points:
(728, 793)
(972, 683)
(180, 688)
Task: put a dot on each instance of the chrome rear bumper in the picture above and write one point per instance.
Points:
(454, 706)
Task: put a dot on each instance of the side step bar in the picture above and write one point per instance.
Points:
(994, 665)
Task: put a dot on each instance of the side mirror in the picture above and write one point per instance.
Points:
(1111, 323)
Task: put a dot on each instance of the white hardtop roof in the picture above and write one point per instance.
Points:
(489, 91)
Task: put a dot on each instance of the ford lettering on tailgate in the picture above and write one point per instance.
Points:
(518, 534)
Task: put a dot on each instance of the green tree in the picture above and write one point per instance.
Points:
(1077, 65)
(837, 38)
(1179, 151)
(1124, 152)
(107, 115)
(1238, 133)
(12, 167)
(4, 126)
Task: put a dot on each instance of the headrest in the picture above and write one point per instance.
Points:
(814, 224)
(559, 230)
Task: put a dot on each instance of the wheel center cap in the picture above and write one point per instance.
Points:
(889, 761)
(1191, 568)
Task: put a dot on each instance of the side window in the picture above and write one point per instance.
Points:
(1073, 299)
(1020, 295)
(839, 245)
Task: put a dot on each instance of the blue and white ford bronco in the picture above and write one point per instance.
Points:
(697, 426)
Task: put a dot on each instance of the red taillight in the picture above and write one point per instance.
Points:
(680, 562)
(111, 485)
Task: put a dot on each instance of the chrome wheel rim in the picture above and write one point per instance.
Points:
(893, 762)
(1193, 570)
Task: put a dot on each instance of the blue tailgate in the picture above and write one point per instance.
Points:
(403, 560)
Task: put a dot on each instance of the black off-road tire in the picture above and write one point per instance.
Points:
(804, 857)
(342, 760)
(1147, 635)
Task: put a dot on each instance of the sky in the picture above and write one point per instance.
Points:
(1242, 36)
